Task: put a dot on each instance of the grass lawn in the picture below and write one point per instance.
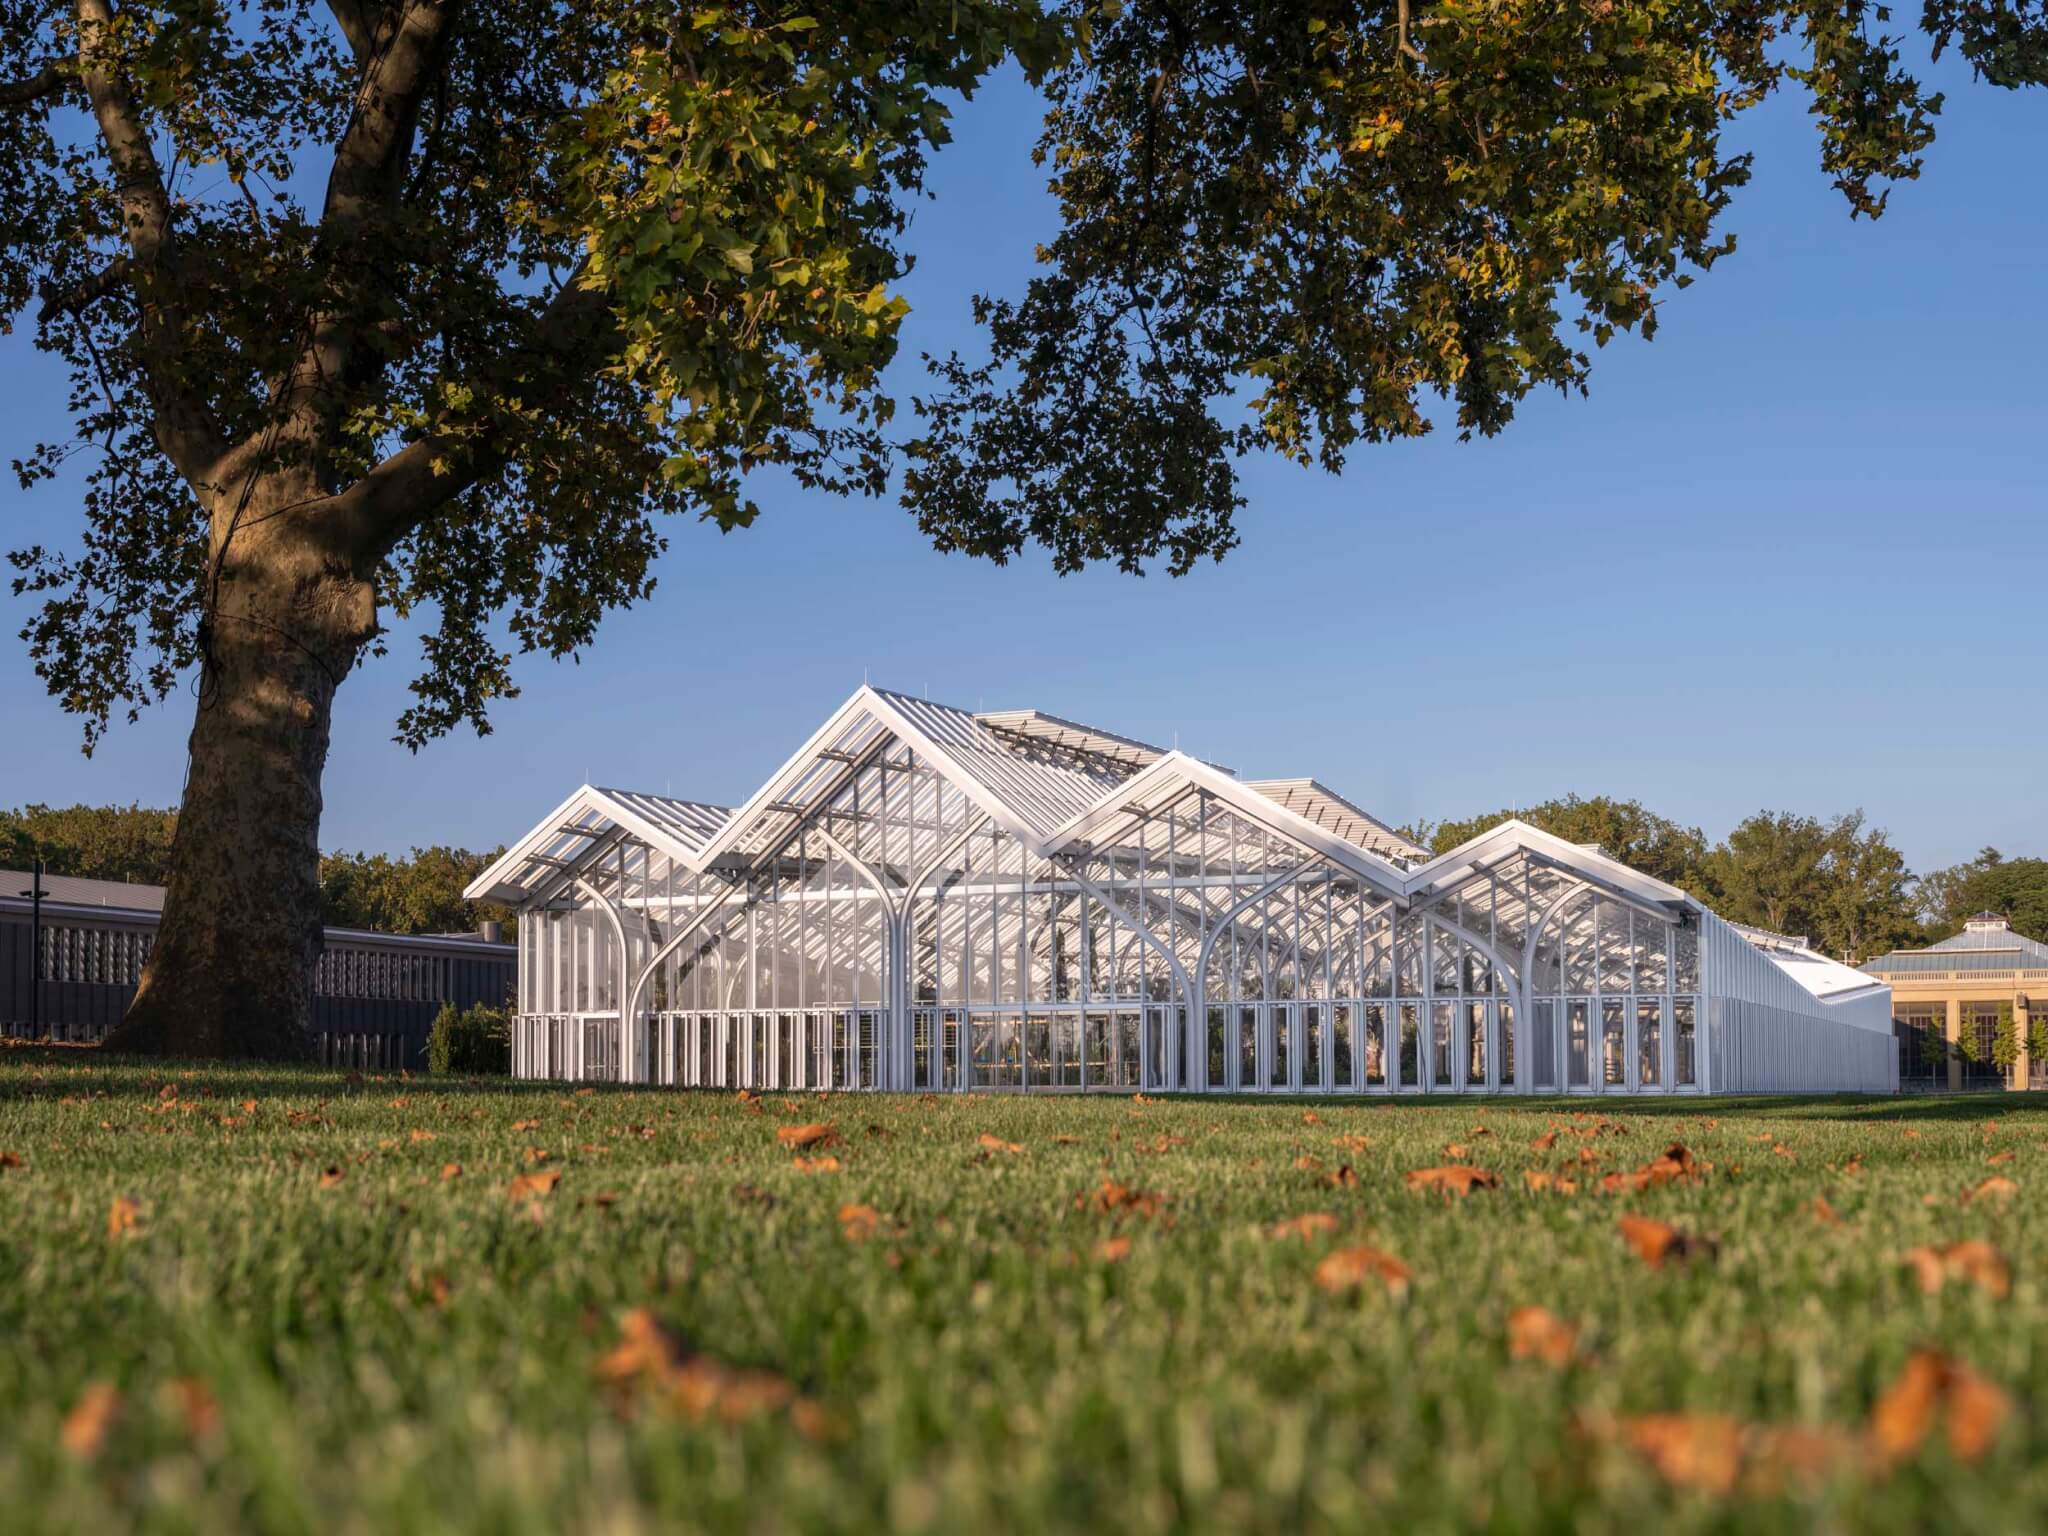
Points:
(1002, 1314)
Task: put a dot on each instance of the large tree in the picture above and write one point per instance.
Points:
(2016, 889)
(435, 308)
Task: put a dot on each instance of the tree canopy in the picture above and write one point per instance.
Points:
(94, 842)
(2016, 889)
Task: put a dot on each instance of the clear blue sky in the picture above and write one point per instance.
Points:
(1791, 554)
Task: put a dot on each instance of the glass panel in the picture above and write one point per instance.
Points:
(1340, 1047)
(759, 1026)
(1009, 1051)
(1440, 1057)
(1124, 1056)
(1312, 1047)
(921, 1048)
(1215, 1032)
(785, 1050)
(1614, 1043)
(982, 1034)
(1649, 1043)
(1283, 1019)
(1650, 947)
(869, 1030)
(1685, 955)
(1578, 1045)
(1411, 1029)
(1248, 1048)
(730, 1024)
(1475, 1045)
(1504, 1013)
(1098, 1051)
(1682, 1020)
(1375, 1045)
(1037, 1049)
(1616, 958)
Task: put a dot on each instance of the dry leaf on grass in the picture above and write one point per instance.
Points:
(1544, 1142)
(85, 1427)
(1341, 1178)
(1972, 1259)
(1822, 1212)
(690, 1386)
(1540, 1179)
(525, 1125)
(192, 1401)
(451, 1171)
(1934, 1385)
(990, 1143)
(1997, 1158)
(1689, 1450)
(1656, 1242)
(332, 1175)
(826, 1164)
(817, 1134)
(1349, 1268)
(857, 1223)
(1111, 1198)
(1674, 1165)
(541, 1182)
(1452, 1179)
(1997, 1187)
(123, 1216)
(1351, 1142)
(1308, 1226)
(11, 1160)
(1537, 1333)
(1113, 1250)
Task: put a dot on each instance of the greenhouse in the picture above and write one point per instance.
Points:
(925, 898)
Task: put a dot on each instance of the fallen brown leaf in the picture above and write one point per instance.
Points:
(1540, 1179)
(1453, 1179)
(85, 1427)
(827, 1164)
(1308, 1226)
(817, 1134)
(857, 1223)
(1537, 1333)
(1972, 1259)
(1113, 1250)
(123, 1216)
(1689, 1450)
(540, 1182)
(193, 1402)
(451, 1171)
(1657, 1241)
(1935, 1385)
(1823, 1212)
(332, 1175)
(1997, 1187)
(1349, 1268)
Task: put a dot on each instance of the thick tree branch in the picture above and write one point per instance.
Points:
(365, 181)
(47, 81)
(372, 515)
(186, 433)
(81, 295)
(358, 20)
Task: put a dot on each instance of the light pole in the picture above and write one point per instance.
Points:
(35, 893)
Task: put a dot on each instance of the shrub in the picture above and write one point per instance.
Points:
(476, 1042)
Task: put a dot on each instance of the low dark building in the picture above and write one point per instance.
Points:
(374, 995)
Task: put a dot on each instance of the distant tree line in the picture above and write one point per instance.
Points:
(421, 893)
(1838, 880)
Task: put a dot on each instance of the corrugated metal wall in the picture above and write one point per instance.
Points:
(1755, 1048)
(1768, 1034)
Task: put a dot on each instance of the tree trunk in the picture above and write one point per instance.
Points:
(231, 974)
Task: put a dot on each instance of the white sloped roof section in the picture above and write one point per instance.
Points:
(1326, 808)
(677, 828)
(1034, 793)
(1448, 870)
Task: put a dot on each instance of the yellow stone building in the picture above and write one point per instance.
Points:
(1956, 989)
